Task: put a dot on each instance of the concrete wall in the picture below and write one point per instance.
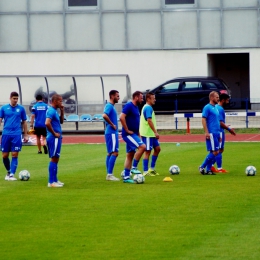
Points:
(145, 68)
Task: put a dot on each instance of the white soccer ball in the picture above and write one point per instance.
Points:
(174, 169)
(139, 178)
(24, 175)
(250, 170)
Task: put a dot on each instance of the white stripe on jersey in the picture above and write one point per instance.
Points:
(113, 141)
(212, 142)
(220, 143)
(55, 146)
(147, 143)
(132, 140)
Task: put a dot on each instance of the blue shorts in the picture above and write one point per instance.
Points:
(54, 146)
(112, 142)
(132, 142)
(11, 143)
(222, 143)
(213, 142)
(150, 142)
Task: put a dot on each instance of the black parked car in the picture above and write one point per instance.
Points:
(187, 93)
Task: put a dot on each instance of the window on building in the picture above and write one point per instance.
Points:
(178, 2)
(82, 3)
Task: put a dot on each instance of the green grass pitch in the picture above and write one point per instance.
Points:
(193, 217)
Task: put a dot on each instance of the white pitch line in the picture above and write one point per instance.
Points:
(252, 137)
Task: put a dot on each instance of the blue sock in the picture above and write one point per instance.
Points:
(214, 160)
(14, 164)
(107, 161)
(153, 162)
(111, 164)
(135, 163)
(52, 168)
(210, 159)
(6, 162)
(204, 164)
(55, 178)
(127, 174)
(145, 164)
(219, 160)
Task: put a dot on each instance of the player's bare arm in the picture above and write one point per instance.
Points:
(123, 122)
(204, 124)
(107, 119)
(150, 123)
(32, 120)
(224, 126)
(49, 127)
(24, 125)
(61, 107)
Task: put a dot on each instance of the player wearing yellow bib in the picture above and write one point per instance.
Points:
(149, 135)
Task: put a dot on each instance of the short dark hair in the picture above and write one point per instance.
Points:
(136, 94)
(55, 97)
(39, 97)
(14, 94)
(223, 96)
(112, 92)
(148, 95)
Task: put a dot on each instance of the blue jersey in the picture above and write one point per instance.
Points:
(210, 112)
(222, 116)
(39, 110)
(12, 117)
(110, 111)
(55, 121)
(147, 112)
(132, 118)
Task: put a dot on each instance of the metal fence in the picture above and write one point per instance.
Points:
(175, 122)
(234, 119)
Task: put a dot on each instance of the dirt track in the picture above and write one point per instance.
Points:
(76, 139)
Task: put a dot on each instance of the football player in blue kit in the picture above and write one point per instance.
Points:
(54, 138)
(13, 116)
(130, 120)
(111, 134)
(38, 123)
(211, 126)
(223, 100)
(149, 135)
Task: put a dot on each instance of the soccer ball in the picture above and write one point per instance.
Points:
(139, 178)
(24, 175)
(250, 171)
(174, 169)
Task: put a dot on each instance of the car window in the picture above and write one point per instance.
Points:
(170, 87)
(211, 85)
(222, 85)
(191, 86)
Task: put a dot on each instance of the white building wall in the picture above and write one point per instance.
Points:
(255, 75)
(145, 68)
